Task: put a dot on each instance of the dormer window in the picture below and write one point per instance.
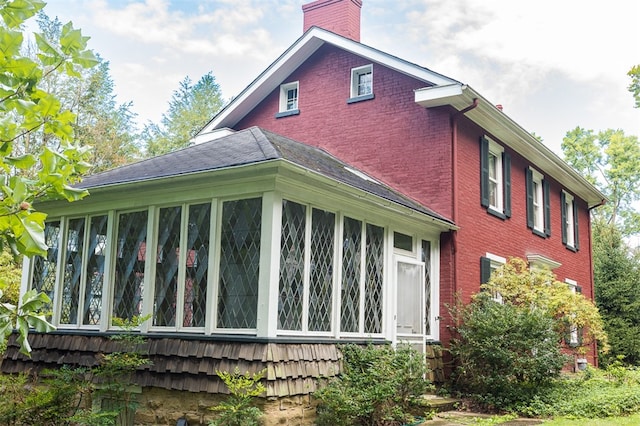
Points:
(288, 100)
(361, 83)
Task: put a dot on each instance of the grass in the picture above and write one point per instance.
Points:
(632, 420)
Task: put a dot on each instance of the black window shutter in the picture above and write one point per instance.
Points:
(485, 270)
(529, 175)
(576, 244)
(547, 207)
(563, 217)
(506, 174)
(484, 172)
(578, 289)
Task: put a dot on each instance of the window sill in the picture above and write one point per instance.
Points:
(539, 233)
(496, 213)
(360, 98)
(571, 248)
(287, 113)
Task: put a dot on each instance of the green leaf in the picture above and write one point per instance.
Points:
(23, 162)
(32, 238)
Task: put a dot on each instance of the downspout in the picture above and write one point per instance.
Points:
(454, 186)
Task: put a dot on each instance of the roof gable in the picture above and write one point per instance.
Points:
(294, 57)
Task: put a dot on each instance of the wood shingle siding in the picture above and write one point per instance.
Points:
(188, 364)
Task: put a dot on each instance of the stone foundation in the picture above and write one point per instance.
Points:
(165, 407)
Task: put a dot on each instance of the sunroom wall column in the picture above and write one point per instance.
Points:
(267, 321)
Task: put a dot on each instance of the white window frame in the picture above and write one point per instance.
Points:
(355, 77)
(569, 217)
(496, 262)
(538, 200)
(496, 151)
(573, 335)
(284, 96)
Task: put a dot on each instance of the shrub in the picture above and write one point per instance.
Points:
(238, 409)
(379, 386)
(505, 354)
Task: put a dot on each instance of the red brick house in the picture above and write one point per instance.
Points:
(344, 195)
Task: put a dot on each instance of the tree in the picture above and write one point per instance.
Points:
(190, 108)
(610, 160)
(509, 351)
(100, 122)
(616, 274)
(634, 87)
(27, 107)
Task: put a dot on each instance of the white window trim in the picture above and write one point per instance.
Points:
(540, 261)
(284, 89)
(496, 262)
(573, 335)
(355, 73)
(569, 217)
(538, 200)
(496, 150)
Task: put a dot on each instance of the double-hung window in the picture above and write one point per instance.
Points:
(361, 83)
(288, 99)
(574, 336)
(569, 218)
(488, 265)
(495, 178)
(538, 210)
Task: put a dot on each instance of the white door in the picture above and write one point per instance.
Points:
(410, 306)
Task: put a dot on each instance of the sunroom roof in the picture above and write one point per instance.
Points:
(250, 146)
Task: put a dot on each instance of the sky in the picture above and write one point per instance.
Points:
(552, 64)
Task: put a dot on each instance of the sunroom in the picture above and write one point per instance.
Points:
(251, 236)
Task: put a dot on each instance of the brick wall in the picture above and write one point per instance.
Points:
(388, 137)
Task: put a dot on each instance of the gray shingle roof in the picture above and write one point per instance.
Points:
(250, 146)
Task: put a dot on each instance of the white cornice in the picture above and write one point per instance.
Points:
(507, 131)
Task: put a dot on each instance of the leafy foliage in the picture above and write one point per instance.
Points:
(507, 353)
(238, 409)
(190, 108)
(616, 274)
(610, 160)
(634, 87)
(595, 394)
(379, 385)
(27, 107)
(10, 276)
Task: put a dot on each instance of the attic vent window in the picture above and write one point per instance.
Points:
(361, 83)
(288, 100)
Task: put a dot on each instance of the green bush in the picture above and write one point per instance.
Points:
(505, 354)
(379, 385)
(594, 394)
(238, 409)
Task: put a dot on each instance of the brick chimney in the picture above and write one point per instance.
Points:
(339, 16)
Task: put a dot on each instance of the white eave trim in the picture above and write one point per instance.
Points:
(295, 56)
(507, 131)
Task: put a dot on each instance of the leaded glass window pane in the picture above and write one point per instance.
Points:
(72, 272)
(166, 283)
(351, 251)
(291, 266)
(373, 284)
(130, 263)
(197, 265)
(45, 267)
(321, 273)
(96, 252)
(239, 263)
(426, 258)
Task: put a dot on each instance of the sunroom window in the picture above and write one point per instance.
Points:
(361, 301)
(130, 265)
(306, 289)
(45, 268)
(239, 264)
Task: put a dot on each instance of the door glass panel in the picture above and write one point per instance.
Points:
(410, 306)
(374, 275)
